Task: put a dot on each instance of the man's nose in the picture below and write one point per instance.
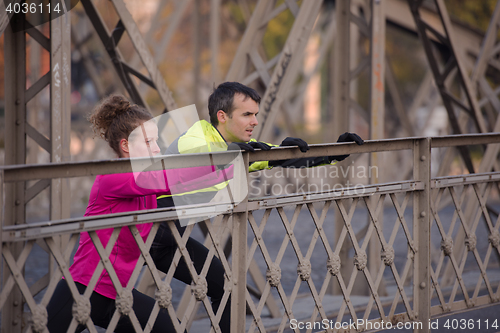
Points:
(254, 122)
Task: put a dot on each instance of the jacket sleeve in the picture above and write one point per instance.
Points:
(171, 181)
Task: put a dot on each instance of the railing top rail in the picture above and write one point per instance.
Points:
(38, 230)
(475, 178)
(464, 140)
(13, 173)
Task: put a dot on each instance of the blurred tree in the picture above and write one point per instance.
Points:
(476, 13)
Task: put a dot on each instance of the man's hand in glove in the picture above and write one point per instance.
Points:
(248, 146)
(346, 137)
(350, 137)
(290, 142)
(295, 142)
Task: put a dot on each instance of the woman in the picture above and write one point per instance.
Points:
(115, 120)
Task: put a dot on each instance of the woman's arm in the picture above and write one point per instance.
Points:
(128, 185)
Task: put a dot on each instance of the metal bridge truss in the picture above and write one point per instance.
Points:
(478, 96)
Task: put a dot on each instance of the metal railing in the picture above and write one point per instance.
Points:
(439, 241)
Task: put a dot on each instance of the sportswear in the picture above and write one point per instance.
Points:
(116, 193)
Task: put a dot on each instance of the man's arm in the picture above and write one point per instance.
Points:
(313, 161)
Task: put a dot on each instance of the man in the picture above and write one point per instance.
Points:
(233, 109)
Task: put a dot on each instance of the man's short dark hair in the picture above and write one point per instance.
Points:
(222, 98)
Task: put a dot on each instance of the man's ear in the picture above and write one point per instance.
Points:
(221, 117)
(124, 145)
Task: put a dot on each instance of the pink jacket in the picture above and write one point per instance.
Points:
(117, 193)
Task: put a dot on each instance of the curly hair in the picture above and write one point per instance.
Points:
(115, 118)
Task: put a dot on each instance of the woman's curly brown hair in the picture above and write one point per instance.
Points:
(115, 118)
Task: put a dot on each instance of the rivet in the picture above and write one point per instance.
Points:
(18, 202)
(423, 158)
(423, 285)
(423, 214)
(15, 322)
(18, 101)
(18, 122)
(15, 303)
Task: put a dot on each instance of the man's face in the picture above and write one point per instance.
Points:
(239, 127)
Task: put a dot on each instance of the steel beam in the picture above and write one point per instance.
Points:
(239, 266)
(124, 71)
(251, 39)
(215, 39)
(449, 100)
(341, 106)
(377, 116)
(60, 113)
(290, 57)
(15, 153)
(422, 234)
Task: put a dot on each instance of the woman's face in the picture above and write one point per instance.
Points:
(142, 141)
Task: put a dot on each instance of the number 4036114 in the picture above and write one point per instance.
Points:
(32, 8)
(470, 324)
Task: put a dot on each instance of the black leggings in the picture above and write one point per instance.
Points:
(162, 251)
(101, 311)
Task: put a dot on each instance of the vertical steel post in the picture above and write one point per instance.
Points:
(15, 153)
(60, 113)
(215, 38)
(341, 94)
(341, 70)
(239, 274)
(377, 112)
(196, 38)
(421, 232)
(60, 117)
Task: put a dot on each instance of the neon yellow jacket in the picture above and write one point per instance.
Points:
(203, 137)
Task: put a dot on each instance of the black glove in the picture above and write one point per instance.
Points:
(250, 146)
(295, 142)
(350, 137)
(346, 137)
(291, 142)
(260, 145)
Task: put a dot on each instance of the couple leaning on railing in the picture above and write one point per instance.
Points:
(132, 132)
